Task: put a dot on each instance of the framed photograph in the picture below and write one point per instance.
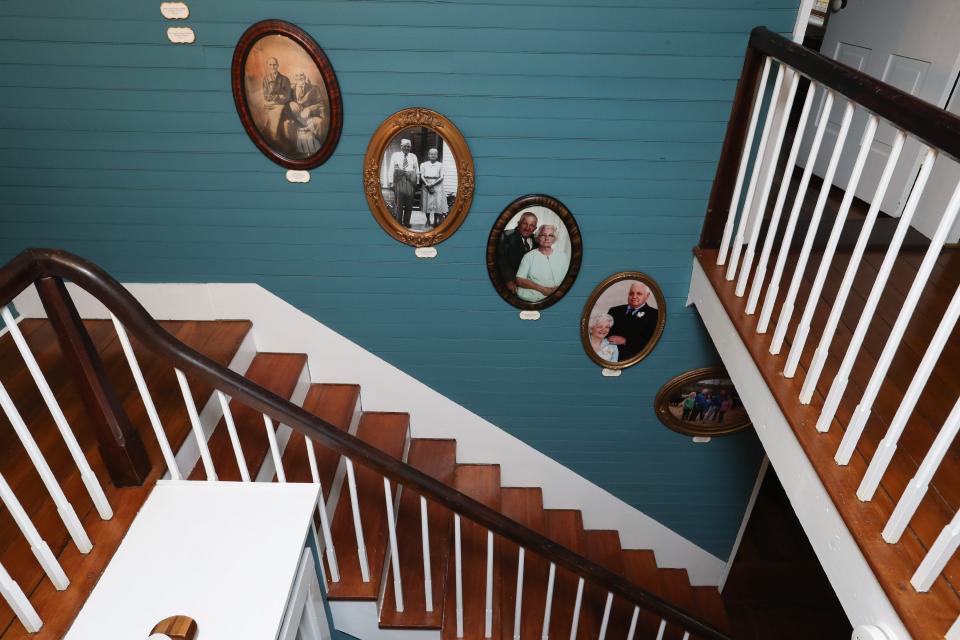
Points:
(286, 94)
(623, 320)
(418, 177)
(534, 252)
(702, 402)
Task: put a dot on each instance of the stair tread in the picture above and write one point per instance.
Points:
(565, 526)
(217, 340)
(436, 458)
(525, 505)
(276, 372)
(335, 403)
(481, 482)
(387, 432)
(710, 607)
(640, 567)
(677, 591)
(603, 547)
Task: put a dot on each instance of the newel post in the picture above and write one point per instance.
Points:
(120, 445)
(726, 177)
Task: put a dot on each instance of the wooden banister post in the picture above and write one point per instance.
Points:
(120, 445)
(726, 176)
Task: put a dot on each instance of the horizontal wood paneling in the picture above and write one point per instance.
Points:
(126, 149)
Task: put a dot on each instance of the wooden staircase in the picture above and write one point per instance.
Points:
(338, 404)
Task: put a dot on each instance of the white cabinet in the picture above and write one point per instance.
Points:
(232, 556)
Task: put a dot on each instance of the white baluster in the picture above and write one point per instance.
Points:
(862, 413)
(39, 547)
(576, 610)
(662, 629)
(839, 384)
(888, 445)
(64, 508)
(488, 601)
(770, 298)
(767, 184)
(147, 399)
(836, 310)
(274, 448)
(394, 550)
(86, 473)
(606, 617)
(427, 575)
(788, 170)
(357, 525)
(518, 605)
(759, 166)
(633, 623)
(322, 508)
(195, 425)
(813, 299)
(786, 312)
(917, 488)
(936, 559)
(18, 601)
(458, 573)
(744, 162)
(686, 635)
(548, 605)
(234, 437)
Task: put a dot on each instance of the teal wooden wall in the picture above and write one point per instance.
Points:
(126, 149)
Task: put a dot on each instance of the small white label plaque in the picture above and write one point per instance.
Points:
(175, 10)
(701, 439)
(529, 315)
(298, 176)
(610, 373)
(181, 35)
(426, 252)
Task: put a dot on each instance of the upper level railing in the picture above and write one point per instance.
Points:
(127, 462)
(747, 233)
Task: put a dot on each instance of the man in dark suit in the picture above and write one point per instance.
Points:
(514, 244)
(634, 323)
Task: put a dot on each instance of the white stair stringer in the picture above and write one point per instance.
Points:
(857, 588)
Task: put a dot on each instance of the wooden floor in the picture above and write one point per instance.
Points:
(339, 405)
(926, 615)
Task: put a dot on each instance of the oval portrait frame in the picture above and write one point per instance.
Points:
(576, 250)
(592, 301)
(300, 37)
(388, 129)
(661, 402)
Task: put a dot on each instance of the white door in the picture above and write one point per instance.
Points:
(913, 45)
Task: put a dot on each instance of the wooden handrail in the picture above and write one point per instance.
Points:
(928, 123)
(34, 264)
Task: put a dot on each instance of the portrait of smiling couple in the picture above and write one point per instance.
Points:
(623, 320)
(534, 250)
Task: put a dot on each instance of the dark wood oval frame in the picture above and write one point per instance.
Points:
(667, 418)
(299, 36)
(592, 300)
(576, 250)
(466, 184)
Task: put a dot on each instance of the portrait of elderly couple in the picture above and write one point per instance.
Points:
(285, 93)
(534, 251)
(623, 320)
(418, 176)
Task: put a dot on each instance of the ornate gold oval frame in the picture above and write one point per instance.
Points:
(465, 175)
(592, 300)
(661, 403)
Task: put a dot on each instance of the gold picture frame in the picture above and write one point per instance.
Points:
(649, 334)
(434, 129)
(671, 411)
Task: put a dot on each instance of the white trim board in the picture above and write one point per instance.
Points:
(857, 588)
(280, 327)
